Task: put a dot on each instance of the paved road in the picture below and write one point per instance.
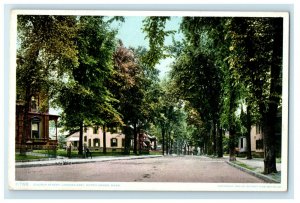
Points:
(163, 169)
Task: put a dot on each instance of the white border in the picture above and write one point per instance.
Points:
(142, 186)
(151, 13)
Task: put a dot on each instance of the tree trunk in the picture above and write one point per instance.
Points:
(25, 121)
(220, 141)
(231, 144)
(269, 150)
(232, 108)
(214, 134)
(163, 140)
(127, 132)
(80, 147)
(135, 139)
(171, 147)
(168, 143)
(248, 134)
(104, 139)
(205, 148)
(209, 144)
(275, 89)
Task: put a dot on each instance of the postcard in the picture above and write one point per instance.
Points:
(148, 100)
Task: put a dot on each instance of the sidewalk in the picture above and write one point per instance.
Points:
(255, 166)
(67, 161)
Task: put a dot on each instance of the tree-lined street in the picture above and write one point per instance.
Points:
(224, 82)
(164, 169)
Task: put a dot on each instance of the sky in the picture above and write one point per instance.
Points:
(131, 34)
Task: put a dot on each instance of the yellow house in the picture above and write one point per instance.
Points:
(93, 139)
(256, 141)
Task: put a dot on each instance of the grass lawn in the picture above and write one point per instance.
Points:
(244, 165)
(59, 152)
(62, 152)
(19, 157)
(155, 153)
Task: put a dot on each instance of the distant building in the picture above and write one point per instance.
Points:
(257, 145)
(146, 142)
(39, 121)
(257, 139)
(115, 140)
(93, 139)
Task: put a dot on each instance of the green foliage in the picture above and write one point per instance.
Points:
(252, 41)
(154, 27)
(86, 96)
(19, 157)
(61, 141)
(126, 85)
(244, 165)
(59, 152)
(226, 145)
(46, 51)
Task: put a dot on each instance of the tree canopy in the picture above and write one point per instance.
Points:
(226, 76)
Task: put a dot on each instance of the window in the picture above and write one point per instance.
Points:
(113, 142)
(85, 138)
(35, 128)
(242, 143)
(258, 129)
(96, 142)
(75, 143)
(259, 144)
(114, 129)
(95, 131)
(90, 142)
(33, 105)
(85, 129)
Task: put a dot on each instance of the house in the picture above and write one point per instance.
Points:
(93, 139)
(41, 130)
(115, 140)
(257, 139)
(146, 142)
(153, 142)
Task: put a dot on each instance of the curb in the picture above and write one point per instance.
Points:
(258, 175)
(80, 161)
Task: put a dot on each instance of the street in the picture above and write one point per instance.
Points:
(162, 169)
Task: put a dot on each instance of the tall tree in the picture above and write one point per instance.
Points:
(192, 73)
(87, 97)
(126, 87)
(189, 58)
(257, 56)
(46, 52)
